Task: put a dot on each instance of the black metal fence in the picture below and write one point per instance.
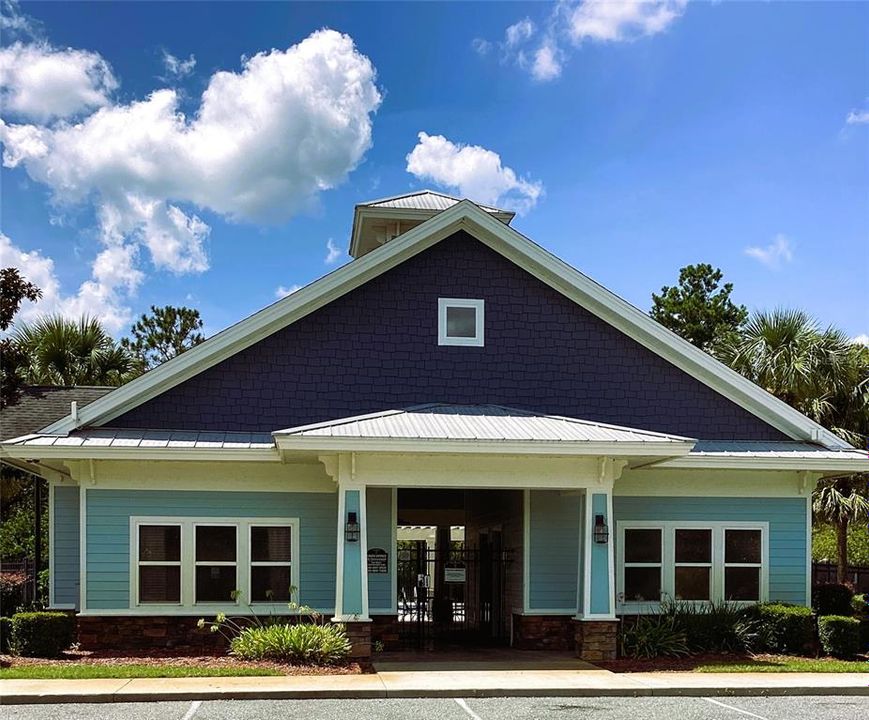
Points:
(857, 575)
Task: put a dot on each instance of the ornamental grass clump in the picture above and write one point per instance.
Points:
(652, 636)
(311, 641)
(300, 644)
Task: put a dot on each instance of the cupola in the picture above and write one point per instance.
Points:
(378, 221)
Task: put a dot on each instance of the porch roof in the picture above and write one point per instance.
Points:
(474, 428)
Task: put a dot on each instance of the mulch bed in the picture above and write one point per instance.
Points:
(178, 659)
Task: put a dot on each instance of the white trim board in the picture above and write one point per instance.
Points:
(465, 215)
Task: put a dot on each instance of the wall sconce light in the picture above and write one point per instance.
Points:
(351, 529)
(601, 531)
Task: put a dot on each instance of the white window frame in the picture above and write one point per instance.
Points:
(726, 564)
(216, 563)
(660, 565)
(479, 335)
(188, 563)
(710, 564)
(251, 563)
(668, 579)
(135, 545)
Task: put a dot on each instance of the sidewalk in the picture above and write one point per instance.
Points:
(435, 683)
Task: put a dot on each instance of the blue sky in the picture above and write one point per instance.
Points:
(634, 139)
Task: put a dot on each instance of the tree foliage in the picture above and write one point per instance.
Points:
(164, 333)
(699, 308)
(822, 374)
(14, 289)
(62, 351)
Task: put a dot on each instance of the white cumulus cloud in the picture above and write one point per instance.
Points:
(605, 20)
(176, 68)
(473, 171)
(40, 82)
(282, 292)
(570, 23)
(97, 297)
(333, 252)
(860, 339)
(264, 142)
(857, 117)
(774, 255)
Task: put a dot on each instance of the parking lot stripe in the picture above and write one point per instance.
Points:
(194, 706)
(464, 706)
(735, 709)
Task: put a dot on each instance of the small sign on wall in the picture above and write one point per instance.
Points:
(378, 561)
(455, 575)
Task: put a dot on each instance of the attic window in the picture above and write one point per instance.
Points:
(460, 322)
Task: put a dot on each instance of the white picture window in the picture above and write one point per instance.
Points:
(461, 322)
(159, 564)
(690, 562)
(271, 553)
(189, 564)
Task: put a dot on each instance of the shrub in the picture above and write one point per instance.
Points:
(864, 634)
(712, 627)
(860, 605)
(5, 632)
(832, 599)
(839, 635)
(301, 644)
(12, 586)
(41, 634)
(654, 636)
(783, 627)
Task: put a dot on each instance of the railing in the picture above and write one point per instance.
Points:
(23, 570)
(857, 575)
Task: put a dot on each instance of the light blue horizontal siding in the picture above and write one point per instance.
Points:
(788, 541)
(108, 535)
(65, 563)
(379, 516)
(554, 550)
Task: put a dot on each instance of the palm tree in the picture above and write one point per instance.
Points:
(61, 351)
(825, 376)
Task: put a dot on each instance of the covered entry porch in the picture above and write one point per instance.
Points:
(534, 567)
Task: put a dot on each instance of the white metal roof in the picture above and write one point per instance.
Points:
(476, 422)
(426, 200)
(109, 438)
(774, 449)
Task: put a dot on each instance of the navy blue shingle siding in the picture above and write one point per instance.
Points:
(375, 348)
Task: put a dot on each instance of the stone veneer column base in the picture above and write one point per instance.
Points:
(359, 634)
(543, 632)
(597, 640)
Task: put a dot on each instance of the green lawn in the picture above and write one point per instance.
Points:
(785, 664)
(83, 671)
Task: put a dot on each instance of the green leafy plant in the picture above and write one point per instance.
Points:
(839, 635)
(309, 641)
(41, 634)
(651, 636)
(832, 599)
(860, 605)
(712, 627)
(5, 633)
(299, 644)
(783, 628)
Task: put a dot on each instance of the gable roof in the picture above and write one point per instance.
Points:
(505, 240)
(41, 405)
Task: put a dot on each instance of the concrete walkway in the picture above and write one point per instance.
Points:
(431, 683)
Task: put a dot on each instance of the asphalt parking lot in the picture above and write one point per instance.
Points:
(759, 708)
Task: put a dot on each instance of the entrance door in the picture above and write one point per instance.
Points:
(437, 588)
